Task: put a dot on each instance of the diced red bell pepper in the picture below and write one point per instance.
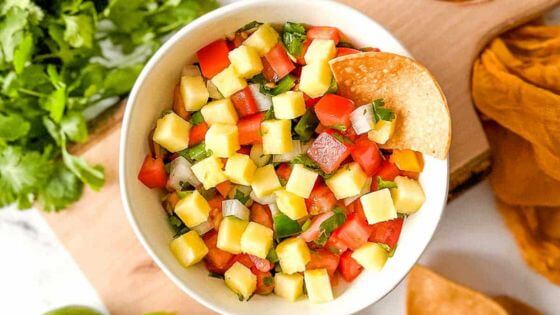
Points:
(279, 61)
(328, 152)
(321, 199)
(219, 260)
(284, 171)
(334, 111)
(244, 102)
(197, 133)
(366, 153)
(224, 188)
(343, 51)
(354, 232)
(265, 282)
(348, 267)
(261, 264)
(268, 73)
(324, 32)
(387, 232)
(152, 173)
(213, 58)
(323, 258)
(387, 171)
(335, 243)
(249, 129)
(261, 214)
(312, 233)
(179, 105)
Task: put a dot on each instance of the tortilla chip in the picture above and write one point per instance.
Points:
(423, 123)
(515, 307)
(428, 293)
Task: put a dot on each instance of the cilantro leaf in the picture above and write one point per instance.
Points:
(329, 225)
(293, 37)
(12, 127)
(380, 112)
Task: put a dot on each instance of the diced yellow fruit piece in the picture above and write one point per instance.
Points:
(277, 136)
(246, 61)
(213, 91)
(382, 131)
(222, 140)
(172, 132)
(188, 248)
(190, 70)
(371, 256)
(240, 169)
(194, 92)
(301, 181)
(229, 81)
(193, 209)
(258, 156)
(347, 181)
(288, 105)
(209, 172)
(378, 206)
(263, 39)
(293, 255)
(229, 234)
(265, 181)
(291, 204)
(289, 287)
(315, 79)
(241, 280)
(407, 160)
(256, 240)
(318, 285)
(220, 112)
(320, 50)
(408, 196)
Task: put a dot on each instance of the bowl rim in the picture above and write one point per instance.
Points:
(154, 61)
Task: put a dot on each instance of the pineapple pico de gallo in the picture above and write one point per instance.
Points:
(273, 180)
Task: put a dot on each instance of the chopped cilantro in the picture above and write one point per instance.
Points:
(306, 125)
(293, 37)
(251, 26)
(196, 118)
(329, 225)
(269, 114)
(340, 127)
(380, 112)
(272, 256)
(239, 195)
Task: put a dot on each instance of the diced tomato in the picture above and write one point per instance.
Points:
(244, 259)
(343, 51)
(328, 152)
(387, 171)
(261, 264)
(334, 243)
(265, 282)
(178, 105)
(348, 267)
(245, 149)
(301, 58)
(197, 133)
(279, 61)
(321, 199)
(356, 207)
(324, 32)
(268, 73)
(216, 217)
(152, 173)
(366, 153)
(224, 188)
(249, 129)
(354, 232)
(334, 111)
(284, 171)
(387, 232)
(261, 214)
(310, 102)
(213, 58)
(216, 202)
(218, 259)
(323, 258)
(312, 233)
(244, 102)
(320, 128)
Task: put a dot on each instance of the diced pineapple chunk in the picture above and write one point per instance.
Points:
(193, 209)
(291, 204)
(407, 160)
(347, 181)
(246, 61)
(263, 39)
(222, 140)
(288, 105)
(277, 136)
(194, 92)
(240, 169)
(318, 285)
(265, 181)
(229, 81)
(220, 112)
(289, 287)
(315, 79)
(241, 280)
(293, 255)
(320, 50)
(408, 196)
(172, 132)
(378, 206)
(382, 131)
(188, 248)
(371, 256)
(301, 181)
(229, 234)
(209, 172)
(256, 240)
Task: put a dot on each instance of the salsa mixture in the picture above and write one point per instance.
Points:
(271, 179)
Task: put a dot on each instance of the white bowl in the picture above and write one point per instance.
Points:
(152, 94)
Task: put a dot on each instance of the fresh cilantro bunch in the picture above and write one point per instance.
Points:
(61, 63)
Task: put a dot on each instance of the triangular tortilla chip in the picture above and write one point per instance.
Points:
(515, 307)
(423, 121)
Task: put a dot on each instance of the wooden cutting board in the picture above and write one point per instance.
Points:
(445, 36)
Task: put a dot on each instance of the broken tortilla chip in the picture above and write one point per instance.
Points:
(408, 88)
